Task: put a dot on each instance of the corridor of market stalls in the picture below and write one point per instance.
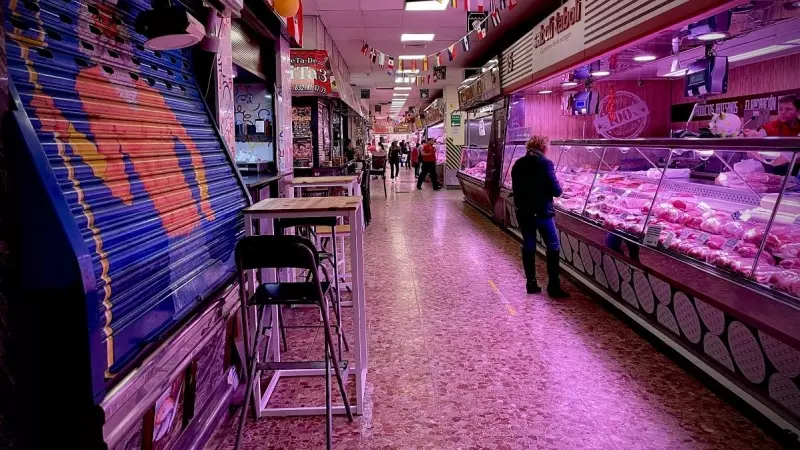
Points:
(460, 357)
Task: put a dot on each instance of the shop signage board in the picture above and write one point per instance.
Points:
(455, 120)
(311, 73)
(732, 105)
(365, 93)
(424, 93)
(559, 36)
(484, 88)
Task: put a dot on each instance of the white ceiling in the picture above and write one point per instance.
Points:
(380, 23)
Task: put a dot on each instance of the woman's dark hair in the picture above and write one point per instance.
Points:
(793, 99)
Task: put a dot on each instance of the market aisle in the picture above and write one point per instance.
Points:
(460, 357)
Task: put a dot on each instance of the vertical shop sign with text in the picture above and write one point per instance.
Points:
(311, 72)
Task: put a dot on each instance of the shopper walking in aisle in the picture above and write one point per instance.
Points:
(534, 184)
(415, 158)
(428, 165)
(406, 148)
(394, 159)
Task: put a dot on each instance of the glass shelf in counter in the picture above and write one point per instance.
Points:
(717, 205)
(513, 150)
(473, 161)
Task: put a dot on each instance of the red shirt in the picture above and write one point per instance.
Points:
(779, 128)
(428, 153)
(414, 155)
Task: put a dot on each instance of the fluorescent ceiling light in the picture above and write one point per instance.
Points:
(601, 73)
(408, 71)
(712, 36)
(644, 58)
(410, 57)
(402, 80)
(425, 5)
(569, 83)
(759, 52)
(676, 74)
(406, 37)
(546, 91)
(402, 88)
(397, 94)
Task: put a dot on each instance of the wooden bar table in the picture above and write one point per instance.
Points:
(264, 214)
(347, 182)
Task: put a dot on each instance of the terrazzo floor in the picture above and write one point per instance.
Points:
(462, 358)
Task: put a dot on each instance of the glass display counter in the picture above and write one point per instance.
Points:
(473, 162)
(713, 202)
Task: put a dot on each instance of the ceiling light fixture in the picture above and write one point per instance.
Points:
(601, 73)
(546, 91)
(407, 37)
(569, 83)
(398, 94)
(412, 57)
(713, 36)
(402, 88)
(675, 74)
(644, 58)
(408, 71)
(425, 5)
(402, 80)
(763, 51)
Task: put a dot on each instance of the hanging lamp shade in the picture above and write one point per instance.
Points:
(286, 8)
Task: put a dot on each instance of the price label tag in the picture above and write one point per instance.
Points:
(652, 234)
(703, 207)
(623, 215)
(702, 238)
(737, 215)
(730, 244)
(668, 239)
(685, 233)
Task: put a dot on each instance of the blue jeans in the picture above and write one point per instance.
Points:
(546, 226)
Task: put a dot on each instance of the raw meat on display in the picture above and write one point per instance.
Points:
(712, 225)
(793, 263)
(786, 280)
(756, 235)
(758, 181)
(790, 250)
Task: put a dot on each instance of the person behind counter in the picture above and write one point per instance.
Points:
(786, 125)
(534, 184)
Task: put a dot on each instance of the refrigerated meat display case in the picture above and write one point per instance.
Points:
(650, 224)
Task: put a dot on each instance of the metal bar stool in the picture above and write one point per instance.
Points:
(308, 226)
(284, 252)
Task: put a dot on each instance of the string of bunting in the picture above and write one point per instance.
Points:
(392, 64)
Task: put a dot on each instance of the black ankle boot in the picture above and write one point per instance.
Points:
(529, 263)
(553, 285)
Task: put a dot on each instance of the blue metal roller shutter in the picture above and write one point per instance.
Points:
(137, 159)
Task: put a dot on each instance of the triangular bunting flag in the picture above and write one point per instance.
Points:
(390, 66)
(365, 49)
(465, 43)
(495, 15)
(425, 64)
(414, 65)
(454, 3)
(480, 5)
(512, 4)
(373, 55)
(451, 52)
(439, 59)
(381, 59)
(400, 66)
(482, 32)
(466, 5)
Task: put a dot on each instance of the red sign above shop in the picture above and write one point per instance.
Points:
(311, 73)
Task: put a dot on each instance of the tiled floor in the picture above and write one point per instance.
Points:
(461, 358)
